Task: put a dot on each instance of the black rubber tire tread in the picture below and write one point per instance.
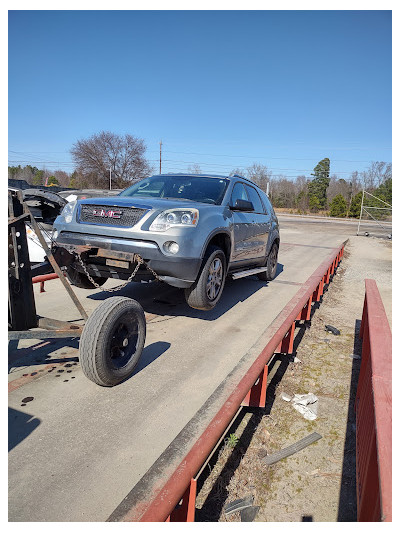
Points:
(196, 296)
(293, 448)
(80, 279)
(94, 341)
(269, 275)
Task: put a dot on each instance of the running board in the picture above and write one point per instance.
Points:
(244, 273)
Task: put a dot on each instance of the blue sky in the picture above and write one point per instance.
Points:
(222, 89)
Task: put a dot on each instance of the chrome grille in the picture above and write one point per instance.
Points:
(108, 215)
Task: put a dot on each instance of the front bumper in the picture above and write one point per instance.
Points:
(174, 270)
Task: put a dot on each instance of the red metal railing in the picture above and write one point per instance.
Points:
(158, 502)
(374, 412)
(42, 279)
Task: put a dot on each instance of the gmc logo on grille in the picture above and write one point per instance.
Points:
(111, 213)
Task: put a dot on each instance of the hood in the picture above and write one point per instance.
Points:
(144, 203)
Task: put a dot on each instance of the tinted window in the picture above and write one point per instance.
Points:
(255, 199)
(238, 193)
(267, 203)
(196, 188)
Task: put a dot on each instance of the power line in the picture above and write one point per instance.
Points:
(199, 163)
(267, 157)
(226, 155)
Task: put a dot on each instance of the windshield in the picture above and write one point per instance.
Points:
(196, 188)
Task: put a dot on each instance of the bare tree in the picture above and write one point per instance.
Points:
(376, 174)
(123, 154)
(283, 192)
(194, 169)
(238, 172)
(338, 186)
(302, 193)
(62, 177)
(259, 174)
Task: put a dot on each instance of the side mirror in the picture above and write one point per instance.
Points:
(243, 205)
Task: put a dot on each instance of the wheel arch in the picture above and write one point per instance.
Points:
(221, 239)
(275, 238)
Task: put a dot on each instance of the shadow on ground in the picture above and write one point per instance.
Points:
(41, 352)
(39, 355)
(164, 300)
(20, 426)
(348, 490)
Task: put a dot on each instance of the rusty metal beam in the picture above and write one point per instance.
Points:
(45, 334)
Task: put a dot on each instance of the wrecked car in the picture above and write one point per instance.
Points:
(45, 206)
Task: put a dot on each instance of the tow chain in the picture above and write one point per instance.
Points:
(136, 258)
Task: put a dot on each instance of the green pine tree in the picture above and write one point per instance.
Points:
(318, 186)
(38, 178)
(338, 206)
(355, 206)
(52, 181)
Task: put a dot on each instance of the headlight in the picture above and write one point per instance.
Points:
(175, 217)
(68, 211)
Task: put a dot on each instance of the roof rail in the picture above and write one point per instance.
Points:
(246, 179)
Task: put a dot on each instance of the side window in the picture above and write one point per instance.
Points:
(268, 204)
(238, 193)
(255, 199)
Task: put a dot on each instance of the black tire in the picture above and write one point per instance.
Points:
(80, 279)
(205, 293)
(271, 263)
(112, 341)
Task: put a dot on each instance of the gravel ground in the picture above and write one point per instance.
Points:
(317, 483)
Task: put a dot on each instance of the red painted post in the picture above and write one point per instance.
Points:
(287, 341)
(320, 289)
(327, 276)
(257, 395)
(186, 510)
(306, 312)
(42, 286)
(315, 294)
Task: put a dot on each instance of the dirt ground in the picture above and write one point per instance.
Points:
(317, 483)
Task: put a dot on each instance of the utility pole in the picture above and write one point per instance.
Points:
(160, 155)
(361, 210)
(110, 178)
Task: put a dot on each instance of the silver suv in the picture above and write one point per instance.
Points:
(190, 230)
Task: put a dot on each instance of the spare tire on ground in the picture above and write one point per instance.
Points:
(112, 341)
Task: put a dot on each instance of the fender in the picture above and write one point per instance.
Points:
(217, 231)
(273, 236)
